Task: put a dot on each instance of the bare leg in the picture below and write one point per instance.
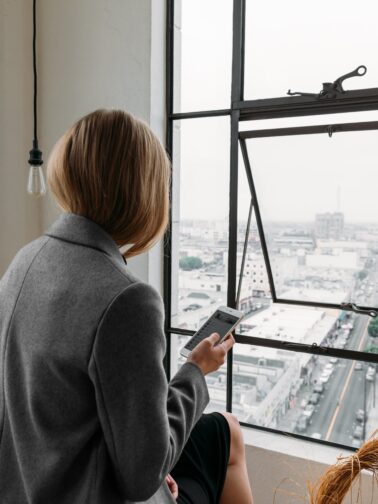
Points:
(236, 486)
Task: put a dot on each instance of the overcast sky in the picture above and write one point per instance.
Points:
(296, 177)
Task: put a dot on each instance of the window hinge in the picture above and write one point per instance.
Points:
(333, 90)
(357, 309)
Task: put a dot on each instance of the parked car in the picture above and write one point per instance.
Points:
(327, 372)
(318, 388)
(304, 403)
(302, 423)
(360, 415)
(314, 398)
(358, 366)
(316, 435)
(193, 306)
(328, 369)
(324, 378)
(309, 410)
(358, 431)
(370, 373)
(333, 360)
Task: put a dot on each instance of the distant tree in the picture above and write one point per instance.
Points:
(372, 349)
(362, 274)
(190, 263)
(373, 328)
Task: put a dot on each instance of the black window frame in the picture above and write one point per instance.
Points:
(250, 110)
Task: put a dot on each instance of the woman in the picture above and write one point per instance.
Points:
(86, 413)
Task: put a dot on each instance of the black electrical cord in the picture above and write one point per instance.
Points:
(35, 69)
(35, 158)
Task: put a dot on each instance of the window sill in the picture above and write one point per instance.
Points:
(285, 445)
(280, 468)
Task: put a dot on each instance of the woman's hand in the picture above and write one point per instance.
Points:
(208, 355)
(172, 486)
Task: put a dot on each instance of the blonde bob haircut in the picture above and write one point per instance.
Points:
(112, 169)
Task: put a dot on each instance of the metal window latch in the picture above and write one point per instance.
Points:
(333, 89)
(357, 309)
(301, 346)
(320, 348)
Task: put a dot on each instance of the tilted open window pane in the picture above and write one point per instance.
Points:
(288, 47)
(296, 392)
(201, 153)
(202, 54)
(318, 209)
(326, 327)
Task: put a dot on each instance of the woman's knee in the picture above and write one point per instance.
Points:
(237, 449)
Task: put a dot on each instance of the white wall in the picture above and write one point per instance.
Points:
(19, 214)
(91, 54)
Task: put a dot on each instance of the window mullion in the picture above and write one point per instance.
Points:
(236, 94)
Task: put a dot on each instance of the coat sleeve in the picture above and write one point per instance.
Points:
(146, 421)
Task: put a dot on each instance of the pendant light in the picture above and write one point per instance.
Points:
(36, 180)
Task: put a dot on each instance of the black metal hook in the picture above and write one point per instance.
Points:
(333, 89)
(338, 84)
(356, 309)
(330, 130)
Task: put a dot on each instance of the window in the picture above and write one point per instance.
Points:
(283, 186)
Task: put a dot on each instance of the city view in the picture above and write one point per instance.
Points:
(326, 260)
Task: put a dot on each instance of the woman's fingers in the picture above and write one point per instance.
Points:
(228, 343)
(172, 485)
(174, 489)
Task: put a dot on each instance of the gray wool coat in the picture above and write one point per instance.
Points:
(86, 413)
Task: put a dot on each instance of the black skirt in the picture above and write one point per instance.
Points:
(201, 469)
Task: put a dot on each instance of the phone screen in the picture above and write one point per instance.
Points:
(219, 322)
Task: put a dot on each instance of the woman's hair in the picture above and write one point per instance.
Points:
(112, 169)
(336, 482)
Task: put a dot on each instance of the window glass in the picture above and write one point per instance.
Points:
(297, 393)
(203, 54)
(287, 47)
(201, 156)
(216, 381)
(318, 207)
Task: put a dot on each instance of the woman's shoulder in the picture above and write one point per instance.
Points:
(23, 259)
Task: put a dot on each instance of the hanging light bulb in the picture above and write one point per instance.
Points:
(36, 180)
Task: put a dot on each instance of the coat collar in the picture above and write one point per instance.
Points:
(78, 229)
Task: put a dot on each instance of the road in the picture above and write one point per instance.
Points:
(334, 415)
